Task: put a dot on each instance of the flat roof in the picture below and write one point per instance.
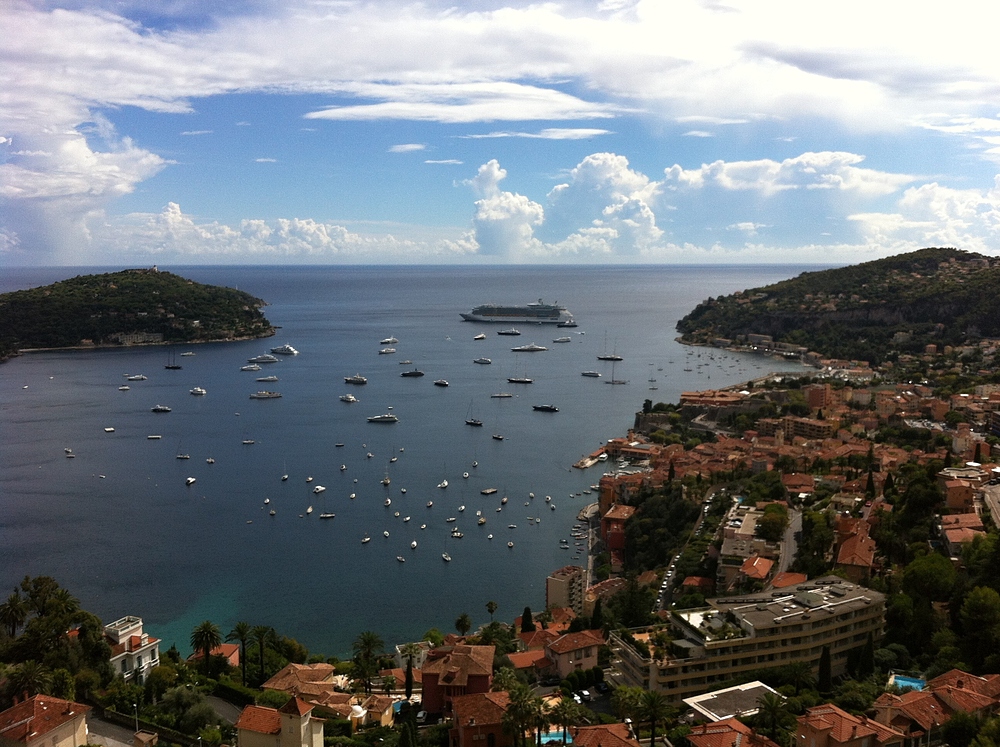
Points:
(741, 700)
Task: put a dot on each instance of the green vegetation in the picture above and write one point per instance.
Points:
(871, 311)
(98, 309)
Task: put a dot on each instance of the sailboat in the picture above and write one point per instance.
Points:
(613, 356)
(613, 380)
(172, 363)
(470, 420)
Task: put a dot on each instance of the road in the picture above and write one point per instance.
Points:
(790, 545)
(107, 734)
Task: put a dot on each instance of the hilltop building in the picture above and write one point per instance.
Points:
(133, 652)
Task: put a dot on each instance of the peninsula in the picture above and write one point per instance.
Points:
(873, 311)
(131, 307)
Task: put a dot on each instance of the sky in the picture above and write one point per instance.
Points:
(137, 132)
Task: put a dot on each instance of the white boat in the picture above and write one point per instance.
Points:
(501, 395)
(562, 339)
(406, 519)
(356, 379)
(284, 477)
(385, 480)
(210, 460)
(443, 484)
(154, 437)
(483, 361)
(136, 377)
(309, 510)
(446, 557)
(440, 382)
(388, 502)
(503, 500)
(591, 374)
(272, 512)
(386, 418)
(389, 341)
(267, 379)
(461, 508)
(387, 351)
(413, 545)
(262, 394)
(480, 521)
(250, 367)
(318, 489)
(327, 516)
(188, 354)
(430, 503)
(400, 558)
(510, 544)
(480, 336)
(511, 332)
(365, 540)
(189, 481)
(124, 388)
(263, 358)
(529, 348)
(343, 467)
(157, 408)
(285, 349)
(465, 475)
(309, 479)
(451, 519)
(386, 534)
(199, 390)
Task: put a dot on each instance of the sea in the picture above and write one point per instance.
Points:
(119, 526)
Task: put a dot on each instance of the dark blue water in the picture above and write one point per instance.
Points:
(119, 528)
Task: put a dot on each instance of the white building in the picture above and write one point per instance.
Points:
(133, 652)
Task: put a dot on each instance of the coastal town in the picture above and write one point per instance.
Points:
(825, 574)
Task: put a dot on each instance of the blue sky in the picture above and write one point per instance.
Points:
(335, 131)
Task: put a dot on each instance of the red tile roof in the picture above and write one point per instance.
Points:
(729, 732)
(987, 684)
(756, 567)
(260, 719)
(454, 667)
(787, 578)
(843, 727)
(534, 659)
(483, 708)
(296, 706)
(603, 735)
(37, 716)
(576, 641)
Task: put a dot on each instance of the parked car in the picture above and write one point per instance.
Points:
(585, 695)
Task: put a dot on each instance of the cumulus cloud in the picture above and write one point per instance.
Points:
(747, 227)
(407, 147)
(174, 235)
(825, 170)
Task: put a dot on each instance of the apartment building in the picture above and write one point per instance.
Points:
(735, 635)
(565, 587)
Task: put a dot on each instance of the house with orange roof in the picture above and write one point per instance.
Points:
(133, 652)
(379, 709)
(540, 637)
(228, 651)
(450, 671)
(921, 714)
(855, 553)
(478, 720)
(536, 661)
(292, 725)
(730, 732)
(42, 720)
(399, 674)
(787, 578)
(756, 568)
(575, 651)
(613, 526)
(828, 726)
(957, 529)
(311, 682)
(603, 735)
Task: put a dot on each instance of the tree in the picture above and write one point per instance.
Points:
(491, 607)
(597, 619)
(527, 623)
(28, 678)
(654, 709)
(980, 617)
(463, 624)
(825, 679)
(367, 648)
(567, 713)
(960, 729)
(433, 636)
(504, 680)
(772, 714)
(388, 683)
(520, 713)
(408, 680)
(800, 675)
(206, 637)
(241, 632)
(263, 636)
(13, 613)
(627, 702)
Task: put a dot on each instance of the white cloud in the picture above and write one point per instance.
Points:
(454, 161)
(550, 133)
(197, 132)
(176, 236)
(825, 170)
(698, 133)
(265, 160)
(407, 147)
(747, 227)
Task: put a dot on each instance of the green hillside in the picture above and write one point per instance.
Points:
(105, 309)
(942, 296)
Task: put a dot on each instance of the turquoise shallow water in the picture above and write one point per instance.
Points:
(120, 529)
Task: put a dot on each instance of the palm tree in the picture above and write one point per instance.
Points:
(263, 636)
(13, 613)
(800, 675)
(367, 648)
(28, 678)
(491, 607)
(520, 712)
(539, 718)
(388, 683)
(771, 715)
(206, 637)
(241, 633)
(627, 702)
(654, 708)
(562, 715)
(463, 624)
(503, 680)
(409, 650)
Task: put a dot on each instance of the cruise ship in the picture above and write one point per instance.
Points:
(537, 312)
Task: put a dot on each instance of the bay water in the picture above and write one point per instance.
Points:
(118, 526)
